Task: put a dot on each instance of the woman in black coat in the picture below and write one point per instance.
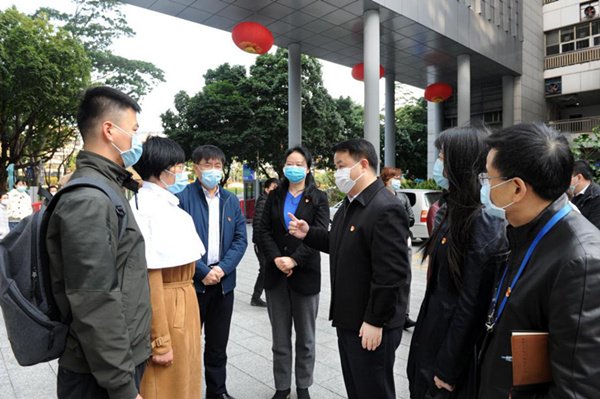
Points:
(293, 272)
(465, 252)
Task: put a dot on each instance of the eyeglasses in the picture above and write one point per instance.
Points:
(178, 169)
(484, 176)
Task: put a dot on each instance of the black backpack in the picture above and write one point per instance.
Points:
(33, 321)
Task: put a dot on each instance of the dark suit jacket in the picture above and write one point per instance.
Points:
(275, 241)
(589, 204)
(369, 259)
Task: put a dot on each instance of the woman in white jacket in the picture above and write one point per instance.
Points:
(19, 204)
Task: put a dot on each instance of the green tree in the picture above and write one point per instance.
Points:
(352, 115)
(217, 115)
(411, 138)
(42, 71)
(587, 146)
(97, 23)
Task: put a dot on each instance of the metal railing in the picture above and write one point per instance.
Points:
(549, 1)
(579, 125)
(576, 57)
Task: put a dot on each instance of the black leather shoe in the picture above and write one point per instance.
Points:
(220, 396)
(258, 302)
(409, 323)
(303, 393)
(283, 394)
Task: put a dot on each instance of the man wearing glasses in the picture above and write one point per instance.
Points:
(222, 228)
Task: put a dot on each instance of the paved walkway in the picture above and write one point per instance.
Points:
(250, 374)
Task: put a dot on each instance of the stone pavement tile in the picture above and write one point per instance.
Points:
(259, 346)
(233, 349)
(6, 391)
(4, 378)
(254, 366)
(335, 385)
(319, 392)
(240, 385)
(37, 382)
(9, 359)
(328, 357)
(324, 373)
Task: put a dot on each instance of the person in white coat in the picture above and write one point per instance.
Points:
(19, 204)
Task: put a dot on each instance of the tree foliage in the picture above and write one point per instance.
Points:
(587, 146)
(42, 71)
(247, 115)
(97, 24)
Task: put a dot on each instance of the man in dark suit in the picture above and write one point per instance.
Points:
(270, 185)
(586, 193)
(369, 268)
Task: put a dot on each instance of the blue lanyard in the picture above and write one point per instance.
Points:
(555, 219)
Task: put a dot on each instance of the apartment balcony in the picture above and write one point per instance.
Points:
(578, 125)
(573, 58)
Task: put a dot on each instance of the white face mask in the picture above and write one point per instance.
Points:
(4, 202)
(343, 181)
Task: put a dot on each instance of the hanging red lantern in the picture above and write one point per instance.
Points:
(358, 71)
(252, 37)
(438, 92)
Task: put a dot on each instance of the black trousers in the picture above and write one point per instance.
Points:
(71, 385)
(260, 280)
(369, 374)
(215, 316)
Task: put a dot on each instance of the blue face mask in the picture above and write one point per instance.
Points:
(295, 174)
(132, 155)
(438, 174)
(211, 177)
(395, 184)
(21, 189)
(181, 182)
(490, 208)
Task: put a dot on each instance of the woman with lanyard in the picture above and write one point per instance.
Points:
(172, 247)
(464, 256)
(293, 272)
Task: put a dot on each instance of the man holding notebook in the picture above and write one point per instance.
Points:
(549, 285)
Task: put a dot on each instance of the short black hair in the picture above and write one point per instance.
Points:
(537, 154)
(98, 101)
(583, 167)
(272, 180)
(19, 181)
(159, 153)
(359, 149)
(52, 186)
(208, 152)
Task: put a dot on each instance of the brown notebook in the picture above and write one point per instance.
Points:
(530, 359)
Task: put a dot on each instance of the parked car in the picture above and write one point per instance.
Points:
(420, 200)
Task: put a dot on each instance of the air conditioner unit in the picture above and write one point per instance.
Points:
(590, 11)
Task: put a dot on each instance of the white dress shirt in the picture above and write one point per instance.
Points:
(214, 231)
(19, 206)
(169, 232)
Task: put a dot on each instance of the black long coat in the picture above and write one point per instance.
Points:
(451, 321)
(588, 204)
(275, 241)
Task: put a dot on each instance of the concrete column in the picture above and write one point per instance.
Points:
(294, 95)
(435, 124)
(464, 90)
(371, 59)
(508, 100)
(390, 120)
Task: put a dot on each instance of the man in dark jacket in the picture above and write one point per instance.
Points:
(100, 283)
(369, 269)
(222, 228)
(528, 169)
(586, 193)
(270, 185)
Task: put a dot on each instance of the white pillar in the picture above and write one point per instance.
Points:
(294, 96)
(508, 101)
(435, 124)
(464, 90)
(390, 120)
(371, 59)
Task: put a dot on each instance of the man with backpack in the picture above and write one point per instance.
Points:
(99, 278)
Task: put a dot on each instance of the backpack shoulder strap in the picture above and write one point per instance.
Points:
(93, 183)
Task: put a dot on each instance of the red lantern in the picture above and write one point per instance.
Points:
(438, 92)
(252, 37)
(358, 71)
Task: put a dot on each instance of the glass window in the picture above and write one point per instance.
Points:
(583, 44)
(596, 27)
(583, 31)
(568, 47)
(597, 41)
(552, 50)
(551, 38)
(566, 35)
